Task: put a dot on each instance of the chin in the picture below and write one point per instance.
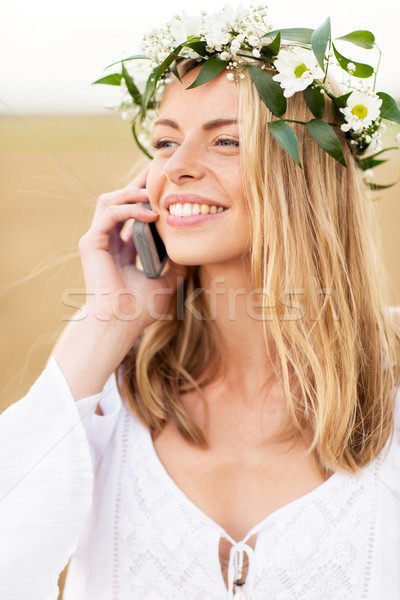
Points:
(187, 259)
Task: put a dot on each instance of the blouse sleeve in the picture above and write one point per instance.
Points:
(46, 484)
(100, 428)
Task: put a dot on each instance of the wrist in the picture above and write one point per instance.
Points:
(90, 349)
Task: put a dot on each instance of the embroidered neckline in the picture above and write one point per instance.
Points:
(297, 502)
(337, 545)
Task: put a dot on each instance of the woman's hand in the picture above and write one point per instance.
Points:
(116, 288)
(121, 300)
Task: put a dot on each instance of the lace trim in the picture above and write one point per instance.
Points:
(377, 468)
(320, 545)
(117, 509)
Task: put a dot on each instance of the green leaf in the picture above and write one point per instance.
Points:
(383, 150)
(341, 101)
(113, 79)
(272, 49)
(174, 70)
(142, 148)
(130, 84)
(295, 34)
(320, 39)
(315, 101)
(210, 69)
(269, 90)
(324, 135)
(361, 37)
(376, 186)
(167, 62)
(286, 138)
(134, 57)
(369, 162)
(389, 109)
(197, 46)
(361, 70)
(149, 90)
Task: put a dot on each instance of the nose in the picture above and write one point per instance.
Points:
(185, 164)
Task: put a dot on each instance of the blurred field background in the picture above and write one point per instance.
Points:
(52, 168)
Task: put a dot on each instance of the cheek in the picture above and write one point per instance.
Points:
(233, 181)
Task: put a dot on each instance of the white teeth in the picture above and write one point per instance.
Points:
(188, 209)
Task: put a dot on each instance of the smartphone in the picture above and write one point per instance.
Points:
(149, 246)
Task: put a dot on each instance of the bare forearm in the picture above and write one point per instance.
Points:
(88, 352)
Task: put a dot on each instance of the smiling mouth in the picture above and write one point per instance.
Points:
(189, 209)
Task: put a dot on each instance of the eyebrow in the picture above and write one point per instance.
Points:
(214, 124)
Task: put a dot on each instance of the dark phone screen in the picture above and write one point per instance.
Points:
(161, 251)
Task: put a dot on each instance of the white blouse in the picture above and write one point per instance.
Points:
(76, 483)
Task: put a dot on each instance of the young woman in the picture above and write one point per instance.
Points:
(247, 445)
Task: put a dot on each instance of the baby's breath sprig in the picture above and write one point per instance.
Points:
(280, 62)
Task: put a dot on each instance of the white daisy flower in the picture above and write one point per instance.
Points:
(361, 111)
(184, 27)
(296, 70)
(217, 37)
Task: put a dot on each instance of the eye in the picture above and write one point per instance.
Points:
(159, 144)
(228, 142)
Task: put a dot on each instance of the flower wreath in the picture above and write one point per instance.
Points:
(232, 40)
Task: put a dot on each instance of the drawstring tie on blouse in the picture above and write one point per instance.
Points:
(235, 570)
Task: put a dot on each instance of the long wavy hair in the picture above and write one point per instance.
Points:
(314, 249)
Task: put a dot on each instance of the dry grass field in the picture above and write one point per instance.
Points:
(52, 168)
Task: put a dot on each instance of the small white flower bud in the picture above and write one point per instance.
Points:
(230, 76)
(253, 40)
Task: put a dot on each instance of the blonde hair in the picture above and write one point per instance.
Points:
(313, 235)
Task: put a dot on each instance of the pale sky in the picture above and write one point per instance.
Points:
(51, 51)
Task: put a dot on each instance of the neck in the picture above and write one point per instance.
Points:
(233, 310)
